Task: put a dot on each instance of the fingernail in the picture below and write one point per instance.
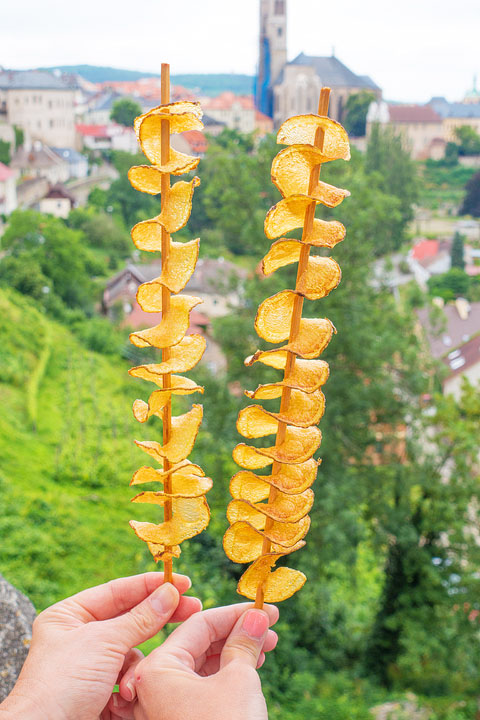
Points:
(164, 599)
(255, 623)
(131, 689)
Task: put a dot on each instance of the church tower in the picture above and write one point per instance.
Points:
(273, 51)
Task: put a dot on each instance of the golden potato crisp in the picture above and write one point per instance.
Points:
(289, 214)
(274, 316)
(291, 480)
(150, 136)
(299, 445)
(313, 337)
(185, 481)
(171, 111)
(159, 398)
(321, 276)
(284, 508)
(162, 554)
(183, 434)
(243, 542)
(190, 517)
(183, 357)
(281, 253)
(254, 422)
(248, 457)
(301, 130)
(277, 586)
(173, 326)
(291, 171)
(307, 375)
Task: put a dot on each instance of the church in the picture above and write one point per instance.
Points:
(292, 88)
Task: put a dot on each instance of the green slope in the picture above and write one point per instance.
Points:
(66, 457)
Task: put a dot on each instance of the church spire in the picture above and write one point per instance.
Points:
(273, 51)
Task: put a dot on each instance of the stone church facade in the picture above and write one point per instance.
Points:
(292, 88)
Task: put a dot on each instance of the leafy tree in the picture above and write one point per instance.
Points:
(19, 136)
(102, 231)
(451, 154)
(450, 285)
(469, 140)
(457, 253)
(124, 111)
(356, 112)
(471, 203)
(4, 152)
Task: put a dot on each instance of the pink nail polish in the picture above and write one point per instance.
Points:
(255, 623)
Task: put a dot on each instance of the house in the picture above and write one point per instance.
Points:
(429, 257)
(453, 335)
(57, 201)
(455, 115)
(8, 190)
(419, 126)
(40, 161)
(100, 106)
(106, 137)
(77, 163)
(41, 103)
(234, 111)
(191, 142)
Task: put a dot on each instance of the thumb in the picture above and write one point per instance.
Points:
(146, 619)
(245, 642)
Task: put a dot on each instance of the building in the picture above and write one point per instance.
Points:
(77, 163)
(455, 115)
(40, 161)
(420, 127)
(106, 137)
(100, 106)
(40, 103)
(237, 112)
(291, 88)
(429, 257)
(8, 190)
(190, 142)
(57, 201)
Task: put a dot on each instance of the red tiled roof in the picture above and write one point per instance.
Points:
(227, 99)
(425, 249)
(197, 141)
(413, 114)
(464, 357)
(98, 131)
(5, 173)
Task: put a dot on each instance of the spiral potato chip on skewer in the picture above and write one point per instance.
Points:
(269, 513)
(183, 484)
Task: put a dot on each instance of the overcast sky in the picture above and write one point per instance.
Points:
(413, 49)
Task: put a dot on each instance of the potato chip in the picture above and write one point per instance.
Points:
(186, 482)
(159, 398)
(162, 554)
(147, 235)
(277, 586)
(247, 457)
(184, 429)
(274, 316)
(289, 214)
(290, 479)
(150, 135)
(313, 337)
(291, 170)
(243, 543)
(170, 111)
(183, 357)
(304, 409)
(282, 252)
(173, 326)
(253, 422)
(301, 130)
(299, 445)
(321, 276)
(190, 517)
(307, 375)
(283, 508)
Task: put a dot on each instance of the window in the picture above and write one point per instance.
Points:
(279, 31)
(279, 7)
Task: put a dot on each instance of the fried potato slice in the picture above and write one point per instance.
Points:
(291, 170)
(289, 214)
(254, 422)
(182, 259)
(168, 110)
(291, 480)
(190, 517)
(313, 337)
(173, 326)
(142, 411)
(145, 474)
(161, 553)
(185, 482)
(299, 445)
(304, 409)
(307, 375)
(146, 178)
(147, 234)
(243, 543)
(184, 429)
(277, 586)
(150, 130)
(183, 357)
(282, 252)
(301, 130)
(284, 508)
(320, 277)
(274, 316)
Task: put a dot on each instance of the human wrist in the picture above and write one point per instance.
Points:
(26, 704)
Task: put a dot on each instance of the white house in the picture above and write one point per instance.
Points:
(8, 190)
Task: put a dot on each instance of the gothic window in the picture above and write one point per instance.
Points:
(279, 7)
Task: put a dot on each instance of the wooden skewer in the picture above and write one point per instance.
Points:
(296, 317)
(167, 378)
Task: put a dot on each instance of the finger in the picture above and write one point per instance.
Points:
(261, 660)
(121, 708)
(194, 637)
(217, 647)
(144, 620)
(245, 642)
(186, 607)
(118, 596)
(132, 658)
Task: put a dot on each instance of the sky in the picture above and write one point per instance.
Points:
(413, 50)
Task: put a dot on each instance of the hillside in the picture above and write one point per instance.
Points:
(208, 84)
(66, 457)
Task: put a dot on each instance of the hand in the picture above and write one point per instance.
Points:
(205, 670)
(83, 645)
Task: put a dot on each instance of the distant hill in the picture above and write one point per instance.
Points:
(205, 84)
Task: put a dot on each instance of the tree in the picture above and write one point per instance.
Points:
(469, 140)
(471, 202)
(19, 136)
(457, 253)
(124, 111)
(450, 285)
(356, 112)
(4, 152)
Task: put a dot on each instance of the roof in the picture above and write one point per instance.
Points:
(37, 157)
(5, 173)
(455, 333)
(208, 121)
(226, 100)
(32, 80)
(97, 131)
(60, 192)
(197, 141)
(333, 72)
(69, 154)
(413, 114)
(454, 110)
(464, 357)
(425, 248)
